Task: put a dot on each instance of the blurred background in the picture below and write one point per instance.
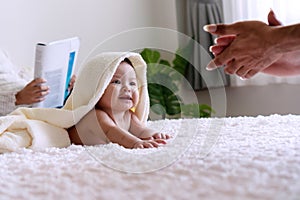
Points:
(25, 23)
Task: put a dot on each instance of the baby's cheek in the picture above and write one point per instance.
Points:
(135, 98)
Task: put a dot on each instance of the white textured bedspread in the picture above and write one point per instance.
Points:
(226, 158)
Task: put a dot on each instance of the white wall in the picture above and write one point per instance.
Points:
(24, 23)
(256, 100)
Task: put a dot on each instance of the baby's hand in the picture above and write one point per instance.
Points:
(161, 136)
(152, 143)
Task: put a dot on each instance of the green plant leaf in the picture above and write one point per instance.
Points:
(172, 102)
(180, 64)
(196, 110)
(156, 98)
(150, 56)
(161, 95)
(182, 56)
(206, 110)
(164, 63)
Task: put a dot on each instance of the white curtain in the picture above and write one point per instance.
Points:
(287, 11)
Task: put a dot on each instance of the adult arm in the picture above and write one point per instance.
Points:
(14, 90)
(7, 102)
(14, 95)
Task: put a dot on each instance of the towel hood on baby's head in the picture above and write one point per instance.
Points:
(94, 77)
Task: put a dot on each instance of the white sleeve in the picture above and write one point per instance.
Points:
(10, 84)
(7, 103)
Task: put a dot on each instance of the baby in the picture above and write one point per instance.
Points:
(113, 119)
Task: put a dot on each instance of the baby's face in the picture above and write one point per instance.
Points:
(122, 92)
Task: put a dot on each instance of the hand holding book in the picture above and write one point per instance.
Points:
(55, 63)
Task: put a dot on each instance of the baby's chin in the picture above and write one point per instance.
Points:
(123, 107)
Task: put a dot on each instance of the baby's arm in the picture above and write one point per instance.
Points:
(114, 133)
(118, 135)
(141, 131)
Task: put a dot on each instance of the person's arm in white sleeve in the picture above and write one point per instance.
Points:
(7, 102)
(15, 90)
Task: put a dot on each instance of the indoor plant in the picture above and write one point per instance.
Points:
(164, 80)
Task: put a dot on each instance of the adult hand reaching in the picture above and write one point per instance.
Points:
(246, 48)
(224, 41)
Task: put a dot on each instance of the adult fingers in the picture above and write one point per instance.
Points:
(42, 93)
(38, 81)
(220, 60)
(43, 87)
(40, 88)
(222, 29)
(214, 64)
(72, 82)
(231, 67)
(245, 72)
(242, 71)
(38, 99)
(250, 74)
(217, 49)
(225, 40)
(73, 78)
(221, 43)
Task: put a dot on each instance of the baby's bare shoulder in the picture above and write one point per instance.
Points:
(102, 114)
(103, 117)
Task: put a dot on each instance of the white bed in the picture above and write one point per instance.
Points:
(225, 158)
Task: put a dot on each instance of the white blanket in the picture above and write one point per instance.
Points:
(248, 158)
(38, 128)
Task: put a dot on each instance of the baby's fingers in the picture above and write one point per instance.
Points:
(161, 136)
(167, 136)
(157, 136)
(149, 145)
(148, 138)
(160, 141)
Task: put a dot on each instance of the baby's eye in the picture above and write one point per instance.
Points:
(116, 81)
(133, 83)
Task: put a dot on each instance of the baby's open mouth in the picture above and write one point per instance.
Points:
(126, 97)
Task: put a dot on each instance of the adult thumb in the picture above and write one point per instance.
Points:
(272, 20)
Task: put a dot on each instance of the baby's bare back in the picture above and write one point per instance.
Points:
(87, 131)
